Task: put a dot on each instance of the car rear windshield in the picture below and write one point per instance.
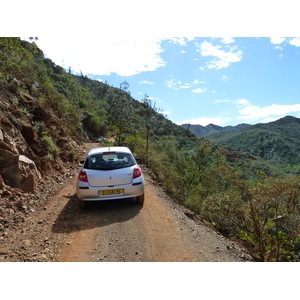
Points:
(109, 161)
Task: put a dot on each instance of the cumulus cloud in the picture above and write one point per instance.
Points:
(199, 90)
(242, 102)
(295, 42)
(277, 40)
(284, 41)
(250, 113)
(104, 55)
(274, 111)
(222, 58)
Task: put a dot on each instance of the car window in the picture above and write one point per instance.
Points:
(109, 161)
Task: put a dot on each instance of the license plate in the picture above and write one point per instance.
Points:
(111, 192)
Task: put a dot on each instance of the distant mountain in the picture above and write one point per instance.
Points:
(211, 128)
(276, 142)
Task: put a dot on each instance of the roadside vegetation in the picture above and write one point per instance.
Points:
(244, 197)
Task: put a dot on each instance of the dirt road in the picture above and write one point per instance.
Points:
(124, 231)
(113, 231)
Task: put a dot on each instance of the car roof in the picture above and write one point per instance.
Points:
(109, 149)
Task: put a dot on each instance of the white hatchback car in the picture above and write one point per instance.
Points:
(110, 173)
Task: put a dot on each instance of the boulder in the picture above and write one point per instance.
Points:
(9, 158)
(29, 174)
(7, 155)
(11, 174)
(19, 171)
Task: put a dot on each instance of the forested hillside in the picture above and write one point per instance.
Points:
(46, 113)
(277, 143)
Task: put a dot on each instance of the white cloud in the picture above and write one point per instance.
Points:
(228, 40)
(240, 102)
(104, 55)
(277, 40)
(243, 102)
(182, 41)
(178, 40)
(146, 82)
(252, 112)
(204, 121)
(197, 81)
(223, 58)
(199, 90)
(224, 78)
(177, 85)
(278, 48)
(172, 84)
(154, 100)
(295, 42)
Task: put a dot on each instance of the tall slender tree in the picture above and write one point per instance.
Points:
(121, 111)
(149, 112)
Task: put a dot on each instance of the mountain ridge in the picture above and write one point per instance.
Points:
(203, 131)
(276, 141)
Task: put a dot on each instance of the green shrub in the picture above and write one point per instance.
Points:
(51, 148)
(266, 217)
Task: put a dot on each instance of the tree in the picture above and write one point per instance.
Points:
(13, 57)
(121, 115)
(150, 114)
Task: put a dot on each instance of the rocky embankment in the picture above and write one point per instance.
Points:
(36, 150)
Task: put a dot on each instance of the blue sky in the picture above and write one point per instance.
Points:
(197, 80)
(192, 77)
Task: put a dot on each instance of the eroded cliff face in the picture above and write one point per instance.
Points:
(34, 143)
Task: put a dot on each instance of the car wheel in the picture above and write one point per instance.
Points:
(140, 199)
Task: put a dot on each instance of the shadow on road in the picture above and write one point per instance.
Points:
(96, 214)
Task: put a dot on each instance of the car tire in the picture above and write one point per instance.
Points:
(140, 199)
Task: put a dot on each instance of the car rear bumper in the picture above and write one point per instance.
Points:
(87, 193)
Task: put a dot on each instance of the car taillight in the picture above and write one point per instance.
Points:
(137, 172)
(82, 176)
